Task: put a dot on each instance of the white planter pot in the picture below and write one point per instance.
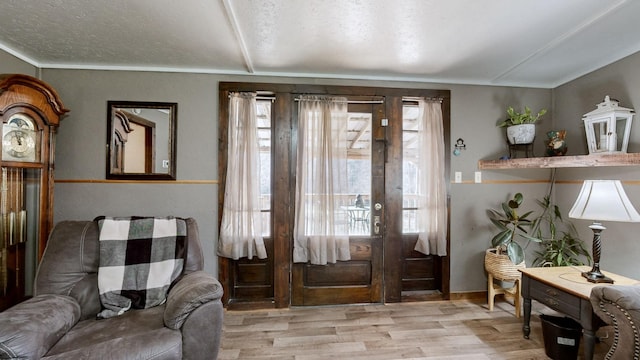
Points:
(521, 134)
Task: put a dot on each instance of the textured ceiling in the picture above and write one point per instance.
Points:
(538, 43)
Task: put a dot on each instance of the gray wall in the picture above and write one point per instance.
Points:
(621, 80)
(81, 149)
(10, 64)
(475, 110)
(82, 135)
(81, 192)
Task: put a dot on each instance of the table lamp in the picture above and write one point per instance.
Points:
(602, 200)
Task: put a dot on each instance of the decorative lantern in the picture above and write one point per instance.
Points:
(608, 127)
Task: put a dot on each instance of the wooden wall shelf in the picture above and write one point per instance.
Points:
(576, 161)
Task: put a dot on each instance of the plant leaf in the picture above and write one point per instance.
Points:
(557, 212)
(525, 215)
(532, 238)
(515, 253)
(518, 198)
(502, 238)
(499, 223)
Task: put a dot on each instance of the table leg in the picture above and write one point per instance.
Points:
(589, 343)
(526, 329)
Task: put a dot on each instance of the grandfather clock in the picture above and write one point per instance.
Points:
(30, 111)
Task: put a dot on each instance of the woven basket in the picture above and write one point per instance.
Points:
(501, 267)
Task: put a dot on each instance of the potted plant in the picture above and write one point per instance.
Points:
(561, 245)
(503, 261)
(521, 125)
(513, 228)
(559, 240)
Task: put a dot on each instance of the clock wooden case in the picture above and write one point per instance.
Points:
(30, 111)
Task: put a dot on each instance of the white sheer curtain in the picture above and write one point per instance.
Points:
(432, 196)
(320, 229)
(241, 227)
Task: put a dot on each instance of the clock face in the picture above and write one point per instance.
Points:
(19, 143)
(19, 139)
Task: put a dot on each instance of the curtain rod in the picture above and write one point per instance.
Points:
(414, 99)
(273, 98)
(260, 97)
(356, 101)
(405, 99)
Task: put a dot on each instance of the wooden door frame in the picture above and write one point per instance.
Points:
(282, 180)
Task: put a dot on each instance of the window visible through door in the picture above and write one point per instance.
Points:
(410, 173)
(357, 202)
(263, 114)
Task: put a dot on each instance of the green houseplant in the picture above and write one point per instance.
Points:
(521, 128)
(519, 118)
(559, 240)
(560, 243)
(513, 227)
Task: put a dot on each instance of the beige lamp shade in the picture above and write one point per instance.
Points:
(603, 200)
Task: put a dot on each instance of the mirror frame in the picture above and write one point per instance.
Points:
(173, 120)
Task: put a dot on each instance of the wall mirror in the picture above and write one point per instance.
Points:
(141, 140)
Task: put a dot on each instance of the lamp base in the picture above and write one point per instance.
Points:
(596, 277)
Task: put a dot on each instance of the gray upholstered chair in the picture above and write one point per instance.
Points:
(59, 322)
(619, 306)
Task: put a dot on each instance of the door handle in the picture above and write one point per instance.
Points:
(376, 224)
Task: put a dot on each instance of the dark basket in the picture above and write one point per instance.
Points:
(561, 337)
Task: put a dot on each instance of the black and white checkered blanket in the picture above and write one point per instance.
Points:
(140, 257)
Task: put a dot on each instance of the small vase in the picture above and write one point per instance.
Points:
(556, 145)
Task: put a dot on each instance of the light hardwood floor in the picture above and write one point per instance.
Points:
(460, 329)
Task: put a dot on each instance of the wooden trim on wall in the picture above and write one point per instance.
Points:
(104, 181)
(533, 181)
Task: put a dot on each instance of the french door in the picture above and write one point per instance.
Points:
(383, 266)
(358, 280)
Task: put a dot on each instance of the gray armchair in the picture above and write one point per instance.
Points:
(59, 321)
(619, 306)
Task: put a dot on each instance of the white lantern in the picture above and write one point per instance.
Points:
(608, 127)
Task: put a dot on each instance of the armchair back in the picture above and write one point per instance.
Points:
(69, 265)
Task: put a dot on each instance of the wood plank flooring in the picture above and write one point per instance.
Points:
(460, 329)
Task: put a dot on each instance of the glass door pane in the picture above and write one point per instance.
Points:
(357, 202)
(410, 174)
(263, 114)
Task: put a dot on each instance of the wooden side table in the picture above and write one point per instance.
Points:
(566, 291)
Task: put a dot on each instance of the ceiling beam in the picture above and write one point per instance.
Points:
(233, 20)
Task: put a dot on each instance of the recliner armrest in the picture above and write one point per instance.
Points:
(619, 306)
(193, 290)
(627, 296)
(29, 329)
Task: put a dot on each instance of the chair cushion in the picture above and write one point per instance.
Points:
(137, 334)
(140, 257)
(29, 329)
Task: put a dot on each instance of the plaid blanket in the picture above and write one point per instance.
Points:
(140, 257)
